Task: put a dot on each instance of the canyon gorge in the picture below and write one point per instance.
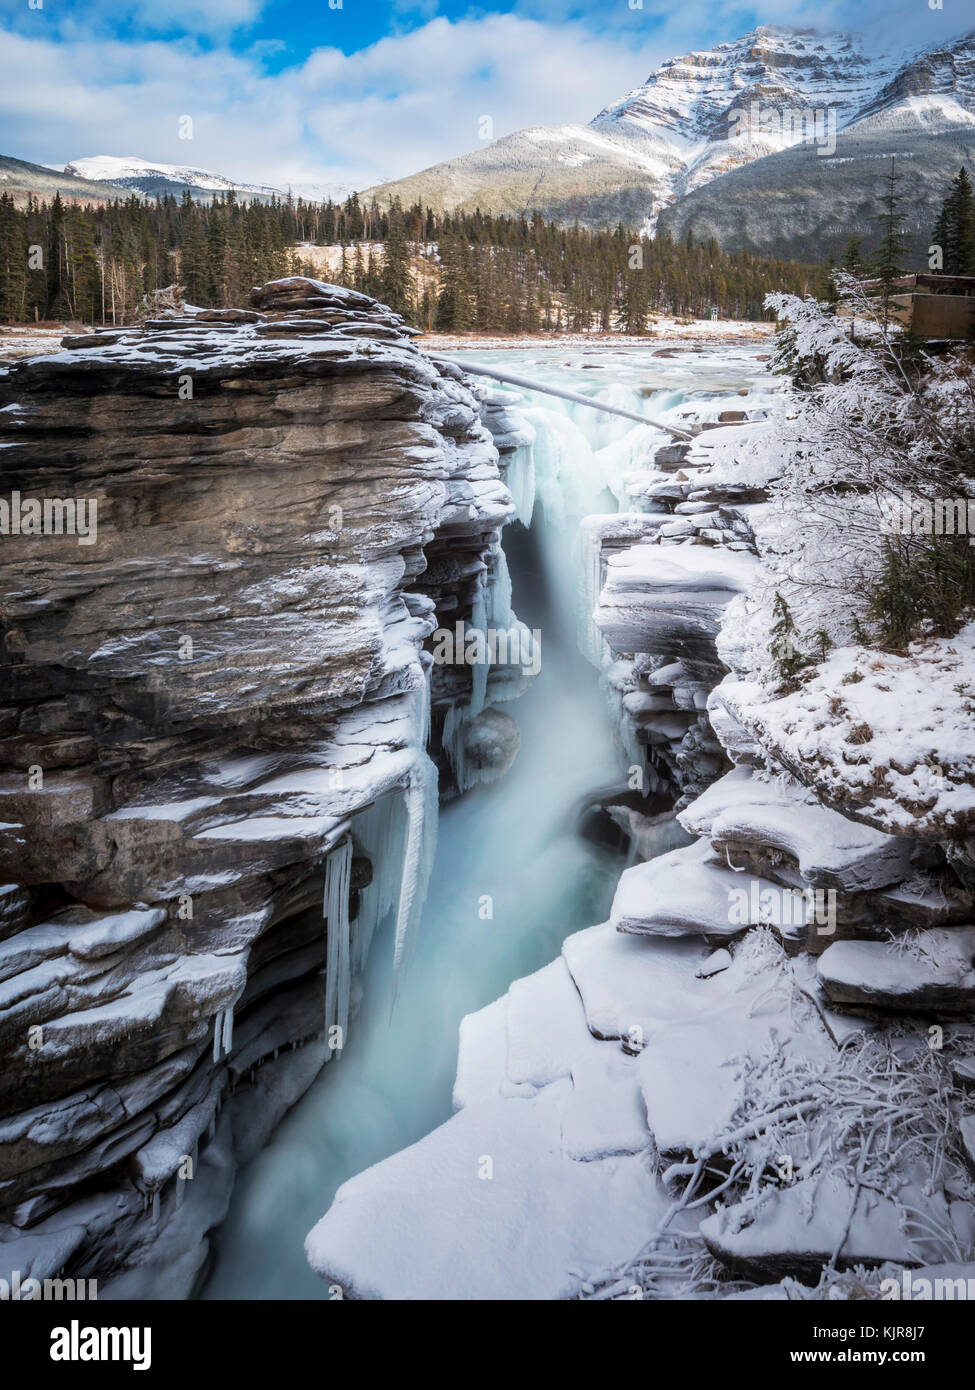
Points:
(332, 969)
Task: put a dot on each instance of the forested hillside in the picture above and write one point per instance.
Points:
(456, 272)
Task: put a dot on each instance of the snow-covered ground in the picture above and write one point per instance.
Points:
(664, 328)
(16, 343)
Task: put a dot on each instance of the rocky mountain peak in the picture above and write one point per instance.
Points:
(695, 96)
(940, 79)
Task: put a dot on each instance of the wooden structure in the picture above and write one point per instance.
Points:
(934, 306)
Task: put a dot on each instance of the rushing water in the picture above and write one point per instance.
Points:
(515, 841)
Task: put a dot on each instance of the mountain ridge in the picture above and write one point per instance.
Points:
(692, 124)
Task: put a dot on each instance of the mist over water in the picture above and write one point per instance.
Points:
(515, 841)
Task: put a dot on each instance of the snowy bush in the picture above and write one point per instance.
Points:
(874, 421)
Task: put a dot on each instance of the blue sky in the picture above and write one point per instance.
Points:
(313, 91)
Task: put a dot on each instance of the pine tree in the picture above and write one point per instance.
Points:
(13, 262)
(954, 229)
(853, 262)
(787, 660)
(217, 259)
(456, 308)
(396, 281)
(889, 256)
(57, 301)
(83, 268)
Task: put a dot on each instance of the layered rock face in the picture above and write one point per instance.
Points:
(214, 716)
(659, 579)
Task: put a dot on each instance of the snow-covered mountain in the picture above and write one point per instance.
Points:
(723, 107)
(148, 178)
(702, 117)
(802, 201)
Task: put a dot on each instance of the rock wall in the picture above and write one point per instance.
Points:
(213, 720)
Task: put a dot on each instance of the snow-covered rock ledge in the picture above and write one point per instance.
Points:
(878, 735)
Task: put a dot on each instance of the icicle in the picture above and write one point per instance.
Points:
(589, 569)
(479, 671)
(452, 739)
(227, 1039)
(520, 479)
(423, 691)
(380, 832)
(499, 606)
(459, 716)
(155, 1207)
(421, 841)
(338, 965)
(217, 1032)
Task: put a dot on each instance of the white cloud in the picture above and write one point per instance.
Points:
(401, 104)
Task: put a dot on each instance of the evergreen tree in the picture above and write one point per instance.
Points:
(853, 262)
(57, 305)
(787, 660)
(13, 262)
(888, 261)
(954, 229)
(395, 281)
(83, 270)
(456, 308)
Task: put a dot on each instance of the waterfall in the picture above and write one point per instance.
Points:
(338, 961)
(568, 479)
(514, 845)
